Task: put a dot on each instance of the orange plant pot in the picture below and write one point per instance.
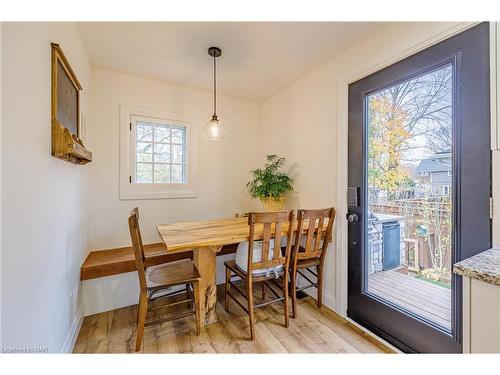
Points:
(273, 204)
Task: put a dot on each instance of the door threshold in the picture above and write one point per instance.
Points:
(372, 336)
(367, 334)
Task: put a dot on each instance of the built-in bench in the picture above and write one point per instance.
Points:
(100, 263)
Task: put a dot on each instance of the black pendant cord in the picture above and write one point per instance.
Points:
(215, 52)
(215, 91)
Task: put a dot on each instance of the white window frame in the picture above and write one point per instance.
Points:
(131, 190)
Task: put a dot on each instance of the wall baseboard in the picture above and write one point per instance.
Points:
(70, 341)
(328, 297)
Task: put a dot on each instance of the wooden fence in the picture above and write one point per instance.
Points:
(429, 213)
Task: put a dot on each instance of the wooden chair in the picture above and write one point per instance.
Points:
(272, 226)
(155, 280)
(309, 250)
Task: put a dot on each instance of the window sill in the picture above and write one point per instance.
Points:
(158, 195)
(157, 191)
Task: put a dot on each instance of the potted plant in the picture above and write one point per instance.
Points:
(271, 183)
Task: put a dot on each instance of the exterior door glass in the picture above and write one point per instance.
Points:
(410, 189)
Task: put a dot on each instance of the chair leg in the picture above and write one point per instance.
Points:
(250, 310)
(285, 294)
(293, 291)
(188, 295)
(197, 306)
(264, 290)
(319, 272)
(141, 319)
(226, 289)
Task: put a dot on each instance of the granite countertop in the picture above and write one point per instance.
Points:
(484, 266)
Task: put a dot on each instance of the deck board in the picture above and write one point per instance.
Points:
(438, 298)
(430, 301)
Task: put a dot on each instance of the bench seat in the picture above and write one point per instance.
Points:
(101, 263)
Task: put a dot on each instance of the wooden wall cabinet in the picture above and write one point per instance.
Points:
(67, 146)
(65, 112)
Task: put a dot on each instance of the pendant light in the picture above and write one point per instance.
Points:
(214, 131)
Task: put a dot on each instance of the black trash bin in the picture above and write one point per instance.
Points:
(392, 240)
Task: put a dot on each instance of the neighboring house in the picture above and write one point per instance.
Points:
(436, 173)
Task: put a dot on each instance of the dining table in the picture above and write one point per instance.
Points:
(205, 239)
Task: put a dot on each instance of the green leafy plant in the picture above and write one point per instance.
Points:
(271, 181)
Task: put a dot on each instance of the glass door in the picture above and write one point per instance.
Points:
(419, 189)
(410, 184)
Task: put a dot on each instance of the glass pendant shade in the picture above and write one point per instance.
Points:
(214, 130)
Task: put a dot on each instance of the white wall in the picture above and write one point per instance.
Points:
(44, 209)
(496, 196)
(311, 118)
(222, 169)
(300, 125)
(0, 182)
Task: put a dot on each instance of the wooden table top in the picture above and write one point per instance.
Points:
(210, 233)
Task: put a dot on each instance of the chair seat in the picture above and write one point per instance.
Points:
(231, 264)
(306, 263)
(174, 273)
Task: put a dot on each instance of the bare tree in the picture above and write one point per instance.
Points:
(421, 106)
(427, 100)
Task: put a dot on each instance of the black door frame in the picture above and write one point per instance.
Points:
(401, 329)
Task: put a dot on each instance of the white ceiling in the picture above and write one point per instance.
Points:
(258, 58)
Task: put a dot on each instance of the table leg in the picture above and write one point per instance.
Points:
(204, 260)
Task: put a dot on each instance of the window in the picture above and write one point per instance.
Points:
(159, 147)
(446, 190)
(156, 155)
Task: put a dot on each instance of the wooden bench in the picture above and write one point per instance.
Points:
(101, 263)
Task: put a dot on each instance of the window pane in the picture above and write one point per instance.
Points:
(178, 135)
(144, 131)
(157, 147)
(162, 134)
(178, 174)
(178, 154)
(144, 152)
(144, 173)
(144, 147)
(409, 222)
(162, 153)
(162, 173)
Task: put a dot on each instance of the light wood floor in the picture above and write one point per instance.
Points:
(430, 301)
(314, 331)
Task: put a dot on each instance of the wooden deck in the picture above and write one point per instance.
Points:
(430, 301)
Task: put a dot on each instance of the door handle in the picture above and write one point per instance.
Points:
(351, 218)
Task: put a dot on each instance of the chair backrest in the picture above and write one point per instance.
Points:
(273, 224)
(135, 235)
(313, 247)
